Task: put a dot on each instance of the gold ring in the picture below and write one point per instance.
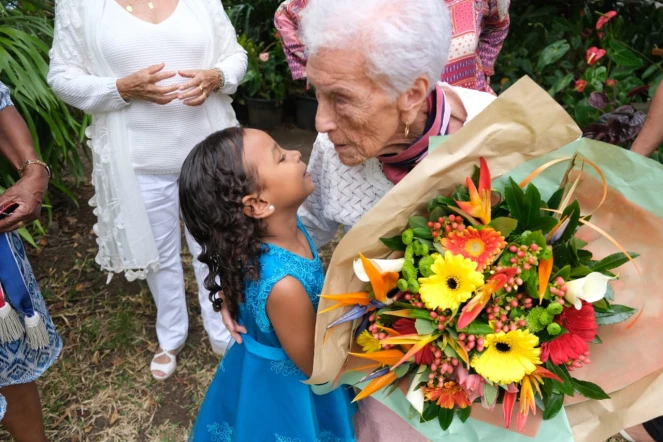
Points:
(202, 91)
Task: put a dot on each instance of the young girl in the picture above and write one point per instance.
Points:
(239, 193)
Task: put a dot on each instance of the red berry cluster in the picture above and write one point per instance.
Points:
(442, 366)
(445, 225)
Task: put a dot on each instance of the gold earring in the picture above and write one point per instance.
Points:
(407, 129)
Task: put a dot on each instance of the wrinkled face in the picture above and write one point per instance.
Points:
(356, 113)
(281, 173)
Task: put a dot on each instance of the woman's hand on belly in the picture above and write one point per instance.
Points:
(142, 85)
(195, 91)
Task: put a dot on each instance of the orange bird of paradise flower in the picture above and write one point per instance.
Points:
(528, 385)
(479, 204)
(476, 305)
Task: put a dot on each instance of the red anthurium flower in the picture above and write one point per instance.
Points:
(605, 18)
(406, 327)
(580, 85)
(610, 82)
(581, 327)
(594, 54)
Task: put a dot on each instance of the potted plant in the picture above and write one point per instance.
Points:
(306, 106)
(264, 84)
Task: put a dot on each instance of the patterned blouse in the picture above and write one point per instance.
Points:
(5, 99)
(479, 30)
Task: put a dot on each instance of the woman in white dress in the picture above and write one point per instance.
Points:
(155, 75)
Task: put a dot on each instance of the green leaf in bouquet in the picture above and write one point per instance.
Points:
(585, 256)
(544, 336)
(529, 238)
(603, 306)
(564, 272)
(612, 262)
(556, 199)
(424, 327)
(573, 212)
(589, 390)
(532, 203)
(504, 225)
(553, 404)
(490, 392)
(438, 247)
(402, 370)
(412, 413)
(431, 410)
(445, 416)
(514, 197)
(579, 243)
(619, 313)
(596, 340)
(478, 328)
(427, 242)
(566, 387)
(422, 233)
(544, 223)
(418, 221)
(450, 352)
(437, 213)
(460, 193)
(580, 271)
(394, 243)
(464, 413)
(609, 293)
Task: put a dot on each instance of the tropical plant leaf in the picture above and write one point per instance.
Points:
(394, 243)
(464, 413)
(612, 262)
(589, 390)
(619, 313)
(552, 53)
(553, 404)
(445, 417)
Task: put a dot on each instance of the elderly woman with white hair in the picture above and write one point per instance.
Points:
(375, 65)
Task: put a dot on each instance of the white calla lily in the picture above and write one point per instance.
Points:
(414, 394)
(591, 288)
(383, 265)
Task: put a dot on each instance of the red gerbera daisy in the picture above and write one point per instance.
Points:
(581, 327)
(481, 246)
(406, 327)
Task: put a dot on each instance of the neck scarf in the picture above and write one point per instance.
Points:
(395, 167)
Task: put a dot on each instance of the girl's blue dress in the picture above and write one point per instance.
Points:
(257, 394)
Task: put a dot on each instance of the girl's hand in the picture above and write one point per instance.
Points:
(27, 193)
(233, 327)
(142, 85)
(195, 91)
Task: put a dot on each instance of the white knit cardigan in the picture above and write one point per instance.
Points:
(80, 76)
(344, 194)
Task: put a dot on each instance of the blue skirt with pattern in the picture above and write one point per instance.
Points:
(257, 395)
(19, 363)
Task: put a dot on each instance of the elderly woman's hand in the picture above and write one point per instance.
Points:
(28, 194)
(195, 91)
(143, 85)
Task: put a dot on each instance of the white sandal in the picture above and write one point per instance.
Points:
(168, 368)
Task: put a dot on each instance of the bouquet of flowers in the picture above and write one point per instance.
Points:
(495, 299)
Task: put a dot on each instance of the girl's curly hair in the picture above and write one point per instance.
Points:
(212, 184)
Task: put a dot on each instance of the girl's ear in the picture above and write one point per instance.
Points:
(255, 207)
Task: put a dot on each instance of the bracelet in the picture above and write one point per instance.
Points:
(222, 80)
(29, 162)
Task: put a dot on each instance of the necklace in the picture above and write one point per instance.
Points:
(130, 7)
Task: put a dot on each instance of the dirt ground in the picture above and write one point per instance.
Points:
(101, 388)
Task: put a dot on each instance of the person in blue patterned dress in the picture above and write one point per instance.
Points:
(29, 343)
(239, 195)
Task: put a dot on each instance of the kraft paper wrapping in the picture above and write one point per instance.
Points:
(522, 124)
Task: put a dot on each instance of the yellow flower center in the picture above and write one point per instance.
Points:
(503, 347)
(475, 247)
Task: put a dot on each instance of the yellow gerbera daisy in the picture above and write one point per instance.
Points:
(508, 356)
(452, 283)
(368, 343)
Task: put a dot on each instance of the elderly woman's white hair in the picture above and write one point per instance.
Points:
(401, 39)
